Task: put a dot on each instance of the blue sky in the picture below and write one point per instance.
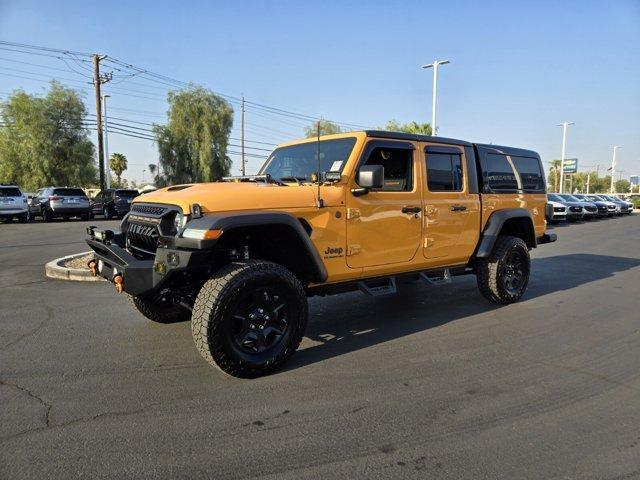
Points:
(518, 68)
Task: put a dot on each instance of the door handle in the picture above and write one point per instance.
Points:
(458, 208)
(411, 209)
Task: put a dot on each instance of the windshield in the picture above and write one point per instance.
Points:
(570, 198)
(300, 162)
(592, 198)
(69, 192)
(553, 197)
(127, 193)
(10, 192)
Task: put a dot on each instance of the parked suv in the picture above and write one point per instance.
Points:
(555, 212)
(622, 207)
(590, 208)
(61, 202)
(575, 209)
(13, 204)
(113, 203)
(601, 206)
(357, 211)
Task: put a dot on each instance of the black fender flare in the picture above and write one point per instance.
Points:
(494, 225)
(230, 221)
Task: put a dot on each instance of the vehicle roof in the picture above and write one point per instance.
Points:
(419, 138)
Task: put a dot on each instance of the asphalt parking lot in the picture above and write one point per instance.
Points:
(431, 383)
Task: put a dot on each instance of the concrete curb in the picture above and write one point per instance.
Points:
(54, 269)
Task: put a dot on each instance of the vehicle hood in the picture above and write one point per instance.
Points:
(555, 204)
(227, 196)
(573, 204)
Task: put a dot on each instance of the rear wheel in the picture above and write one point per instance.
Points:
(504, 275)
(159, 313)
(249, 318)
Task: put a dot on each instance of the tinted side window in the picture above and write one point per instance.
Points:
(531, 175)
(444, 172)
(397, 163)
(499, 174)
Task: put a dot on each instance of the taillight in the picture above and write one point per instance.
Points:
(54, 198)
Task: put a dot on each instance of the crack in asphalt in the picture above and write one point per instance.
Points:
(44, 403)
(50, 425)
(48, 317)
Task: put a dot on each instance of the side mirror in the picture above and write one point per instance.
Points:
(371, 176)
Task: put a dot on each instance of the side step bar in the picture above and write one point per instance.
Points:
(376, 289)
(434, 279)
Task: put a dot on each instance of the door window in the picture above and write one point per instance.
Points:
(398, 167)
(444, 172)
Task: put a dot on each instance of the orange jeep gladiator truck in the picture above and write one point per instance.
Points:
(361, 210)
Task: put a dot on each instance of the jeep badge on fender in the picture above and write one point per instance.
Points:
(395, 208)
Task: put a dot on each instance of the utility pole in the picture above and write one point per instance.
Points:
(434, 100)
(613, 169)
(243, 168)
(564, 126)
(106, 142)
(97, 82)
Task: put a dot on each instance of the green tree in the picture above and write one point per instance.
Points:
(411, 127)
(326, 128)
(553, 181)
(192, 145)
(118, 164)
(623, 186)
(43, 140)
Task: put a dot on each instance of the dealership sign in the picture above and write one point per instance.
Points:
(570, 165)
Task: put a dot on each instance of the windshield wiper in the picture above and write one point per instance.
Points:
(252, 178)
(298, 180)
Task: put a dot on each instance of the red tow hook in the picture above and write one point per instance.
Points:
(93, 266)
(118, 281)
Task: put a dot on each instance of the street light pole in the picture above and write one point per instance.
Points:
(564, 126)
(106, 143)
(434, 100)
(613, 169)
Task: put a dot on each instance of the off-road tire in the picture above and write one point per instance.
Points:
(159, 313)
(489, 270)
(213, 304)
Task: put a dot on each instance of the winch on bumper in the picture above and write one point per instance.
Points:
(140, 277)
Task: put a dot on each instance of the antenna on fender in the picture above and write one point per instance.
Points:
(319, 201)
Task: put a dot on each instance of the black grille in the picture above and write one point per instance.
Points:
(589, 208)
(142, 238)
(148, 209)
(576, 209)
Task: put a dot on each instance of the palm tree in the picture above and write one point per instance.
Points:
(554, 174)
(118, 164)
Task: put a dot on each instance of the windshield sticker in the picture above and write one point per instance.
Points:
(336, 166)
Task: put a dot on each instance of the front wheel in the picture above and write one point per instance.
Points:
(24, 218)
(504, 275)
(249, 318)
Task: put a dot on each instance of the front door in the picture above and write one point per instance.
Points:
(451, 212)
(384, 225)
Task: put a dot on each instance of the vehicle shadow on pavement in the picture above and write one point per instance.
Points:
(359, 321)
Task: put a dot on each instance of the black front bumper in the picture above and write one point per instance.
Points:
(143, 277)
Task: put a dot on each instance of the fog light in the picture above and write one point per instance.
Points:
(173, 259)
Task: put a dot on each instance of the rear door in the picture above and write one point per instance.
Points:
(384, 226)
(451, 205)
(10, 198)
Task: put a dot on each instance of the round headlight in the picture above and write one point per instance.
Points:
(178, 221)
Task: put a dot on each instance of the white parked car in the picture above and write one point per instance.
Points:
(555, 212)
(13, 204)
